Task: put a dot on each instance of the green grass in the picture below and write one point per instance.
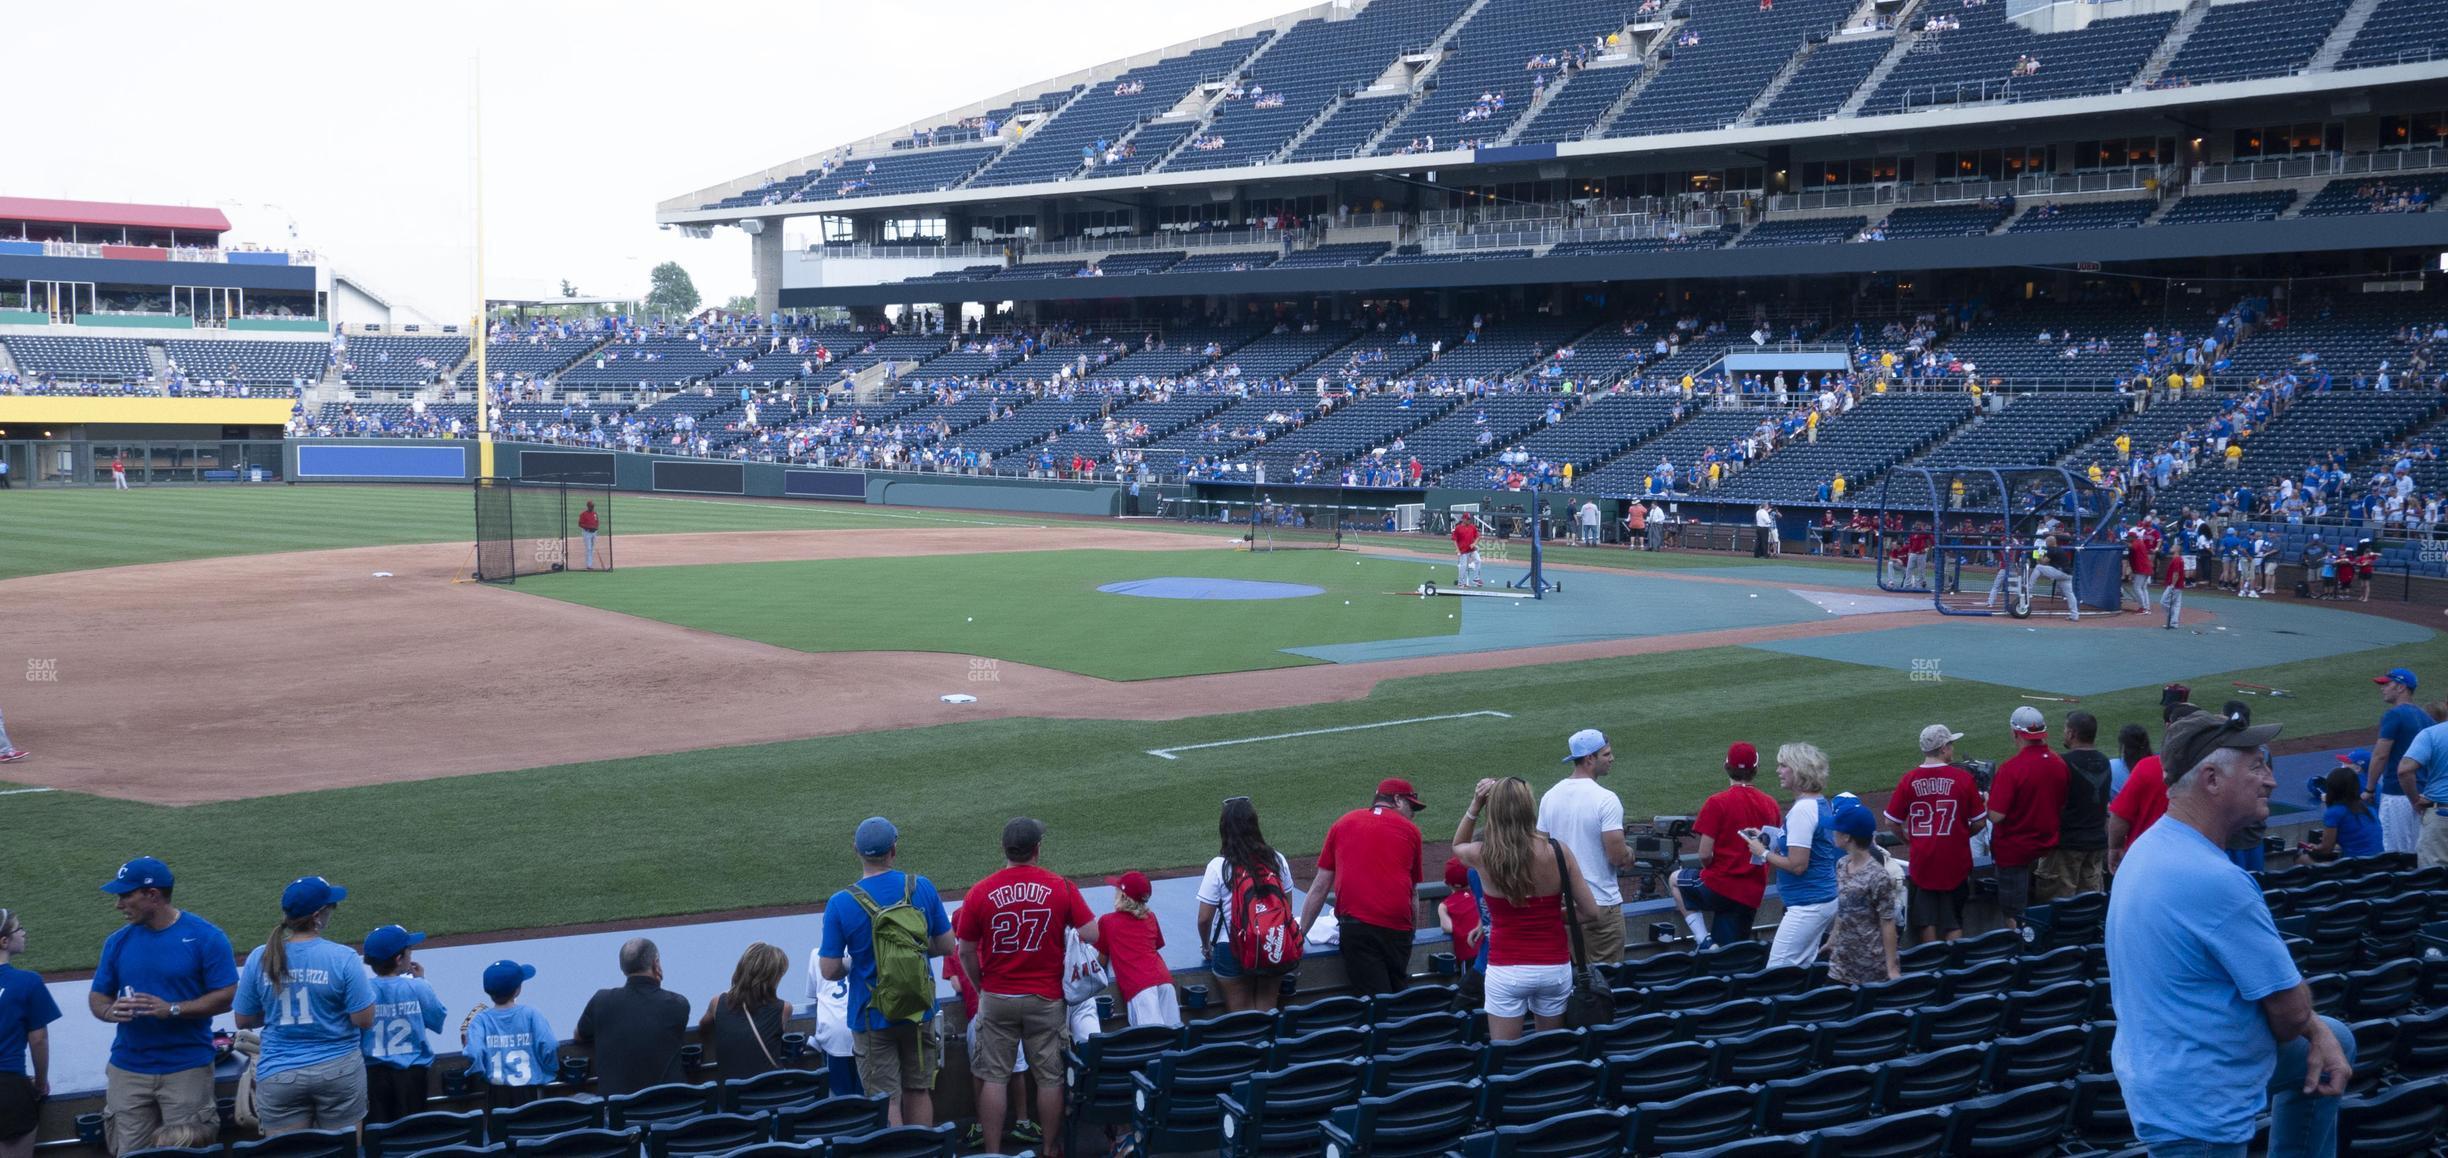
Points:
(770, 824)
(76, 529)
(1035, 607)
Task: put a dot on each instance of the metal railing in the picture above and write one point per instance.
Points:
(2310, 165)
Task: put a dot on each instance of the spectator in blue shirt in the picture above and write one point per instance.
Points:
(162, 979)
(510, 1044)
(2223, 1027)
(2423, 775)
(2348, 826)
(398, 1055)
(26, 1012)
(894, 1058)
(313, 1000)
(2403, 719)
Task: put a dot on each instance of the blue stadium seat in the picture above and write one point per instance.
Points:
(706, 1134)
(941, 1141)
(1323, 1013)
(1906, 1135)
(2041, 970)
(2030, 1010)
(1337, 1043)
(1412, 1000)
(852, 1114)
(493, 1150)
(1281, 1111)
(665, 1103)
(777, 1150)
(1445, 1063)
(1762, 1055)
(2017, 1123)
(2383, 991)
(1930, 1079)
(1423, 1029)
(1704, 991)
(1992, 976)
(582, 1143)
(302, 1144)
(2098, 1118)
(427, 1131)
(1743, 959)
(1177, 1094)
(1249, 1025)
(1660, 1072)
(1815, 1101)
(1824, 1003)
(1711, 1117)
(1417, 1121)
(2044, 1058)
(1782, 981)
(1527, 1096)
(545, 1117)
(2375, 1060)
(2406, 1119)
(1596, 1133)
(1628, 1035)
(1532, 1050)
(774, 1090)
(1912, 992)
(1968, 1019)
(1877, 1036)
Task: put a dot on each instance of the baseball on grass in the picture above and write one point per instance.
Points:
(971, 619)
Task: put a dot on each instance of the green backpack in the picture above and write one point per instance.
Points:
(903, 989)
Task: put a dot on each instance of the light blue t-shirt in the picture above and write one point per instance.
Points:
(849, 935)
(513, 1047)
(306, 1021)
(2430, 750)
(2192, 951)
(405, 1008)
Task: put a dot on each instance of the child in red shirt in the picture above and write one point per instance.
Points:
(1133, 943)
(2172, 586)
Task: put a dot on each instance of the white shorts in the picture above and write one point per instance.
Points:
(1528, 990)
(1083, 1018)
(1156, 1005)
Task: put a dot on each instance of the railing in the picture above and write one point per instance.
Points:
(2404, 160)
(1622, 228)
(1960, 93)
(178, 253)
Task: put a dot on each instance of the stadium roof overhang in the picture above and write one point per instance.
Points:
(123, 215)
(2055, 250)
(2176, 104)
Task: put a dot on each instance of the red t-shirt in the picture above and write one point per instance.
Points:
(1729, 872)
(1935, 805)
(1374, 854)
(1466, 537)
(2143, 800)
(2027, 793)
(2173, 575)
(586, 520)
(1134, 945)
(2138, 553)
(1016, 918)
(1463, 909)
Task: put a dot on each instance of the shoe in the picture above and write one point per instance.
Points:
(1027, 1132)
(975, 1139)
(2170, 626)
(13, 755)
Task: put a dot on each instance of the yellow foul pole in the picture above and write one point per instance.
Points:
(484, 386)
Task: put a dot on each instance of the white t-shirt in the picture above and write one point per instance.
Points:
(1801, 823)
(1578, 812)
(1213, 890)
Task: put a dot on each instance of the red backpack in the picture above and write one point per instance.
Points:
(1265, 940)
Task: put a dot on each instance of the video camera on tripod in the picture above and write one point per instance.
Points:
(1657, 852)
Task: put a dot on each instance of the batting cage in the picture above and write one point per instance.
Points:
(536, 528)
(1979, 540)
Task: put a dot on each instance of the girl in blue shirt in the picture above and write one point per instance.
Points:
(398, 1055)
(2347, 826)
(313, 1000)
(26, 1011)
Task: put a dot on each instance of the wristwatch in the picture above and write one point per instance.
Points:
(174, 1012)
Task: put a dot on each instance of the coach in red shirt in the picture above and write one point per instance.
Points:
(2025, 800)
(1937, 807)
(1727, 885)
(1011, 939)
(1371, 863)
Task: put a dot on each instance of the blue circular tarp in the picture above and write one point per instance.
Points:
(1189, 587)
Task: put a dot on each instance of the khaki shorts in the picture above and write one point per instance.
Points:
(1603, 935)
(2431, 849)
(1009, 1025)
(146, 1110)
(2065, 872)
(903, 1058)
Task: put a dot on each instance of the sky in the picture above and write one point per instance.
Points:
(355, 126)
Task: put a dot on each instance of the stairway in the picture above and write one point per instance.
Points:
(1650, 68)
(1784, 76)
(2195, 12)
(1309, 130)
(1419, 83)
(1538, 104)
(1906, 41)
(2333, 49)
(159, 360)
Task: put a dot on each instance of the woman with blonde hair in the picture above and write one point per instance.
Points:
(1803, 855)
(1530, 956)
(313, 1000)
(744, 1024)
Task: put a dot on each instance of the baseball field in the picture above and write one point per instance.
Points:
(259, 683)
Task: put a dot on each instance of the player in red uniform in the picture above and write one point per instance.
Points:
(1466, 551)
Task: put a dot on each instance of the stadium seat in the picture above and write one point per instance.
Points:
(1422, 1029)
(1907, 1135)
(665, 1103)
(2335, 931)
(2422, 1043)
(706, 1134)
(1741, 959)
(1249, 1025)
(1814, 1006)
(1965, 1019)
(2394, 932)
(1323, 1013)
(1411, 1001)
(2077, 920)
(302, 1144)
(583, 1143)
(214, 1151)
(546, 1117)
(2046, 1057)
(2406, 1119)
(1815, 1101)
(2098, 1116)
(1873, 1037)
(1926, 957)
(493, 1150)
(1994, 945)
(1097, 1083)
(427, 1131)
(1771, 1146)
(2383, 991)
(1448, 1063)
(1280, 1112)
(2328, 992)
(1648, 972)
(940, 1141)
(1996, 975)
(1763, 1055)
(1660, 1072)
(1627, 1035)
(1712, 1117)
(1782, 981)
(2097, 1059)
(853, 1114)
(1338, 1043)
(2375, 1059)
(1176, 1107)
(1585, 1134)
(1930, 1079)
(774, 1090)
(1532, 1050)
(1911, 992)
(776, 1150)
(1420, 1120)
(2021, 1122)
(1527, 1096)
(1691, 993)
(2030, 1010)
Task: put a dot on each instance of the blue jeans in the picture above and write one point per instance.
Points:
(2301, 1125)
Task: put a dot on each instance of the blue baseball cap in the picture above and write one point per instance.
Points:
(876, 836)
(2398, 675)
(144, 872)
(390, 941)
(1855, 822)
(1585, 743)
(307, 895)
(503, 977)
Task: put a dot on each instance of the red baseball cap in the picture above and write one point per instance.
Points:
(1456, 873)
(1398, 787)
(1134, 884)
(1740, 754)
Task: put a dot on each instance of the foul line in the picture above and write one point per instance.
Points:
(26, 791)
(1167, 753)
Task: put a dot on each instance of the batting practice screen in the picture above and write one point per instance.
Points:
(533, 528)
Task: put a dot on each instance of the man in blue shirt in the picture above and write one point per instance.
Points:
(2400, 825)
(2214, 1022)
(2423, 774)
(894, 1058)
(161, 980)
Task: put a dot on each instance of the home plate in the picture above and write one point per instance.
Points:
(1848, 603)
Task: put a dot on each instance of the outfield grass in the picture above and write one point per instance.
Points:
(1034, 607)
(770, 824)
(75, 529)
